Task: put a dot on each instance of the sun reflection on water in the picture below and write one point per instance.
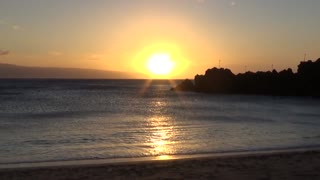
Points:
(160, 139)
(165, 157)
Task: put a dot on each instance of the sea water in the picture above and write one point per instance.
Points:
(62, 120)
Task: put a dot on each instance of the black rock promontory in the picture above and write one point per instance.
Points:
(305, 82)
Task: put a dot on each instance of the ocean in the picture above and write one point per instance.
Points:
(66, 120)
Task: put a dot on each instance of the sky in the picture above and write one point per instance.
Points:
(120, 35)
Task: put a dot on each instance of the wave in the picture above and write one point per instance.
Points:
(124, 158)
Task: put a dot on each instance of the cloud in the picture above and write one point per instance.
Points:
(96, 56)
(3, 53)
(200, 1)
(232, 3)
(16, 27)
(2, 22)
(55, 53)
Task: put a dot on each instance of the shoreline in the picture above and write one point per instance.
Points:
(111, 161)
(283, 164)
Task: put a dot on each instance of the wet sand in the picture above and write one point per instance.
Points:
(291, 165)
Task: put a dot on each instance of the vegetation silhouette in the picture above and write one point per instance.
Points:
(306, 82)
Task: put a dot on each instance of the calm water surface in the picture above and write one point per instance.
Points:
(58, 120)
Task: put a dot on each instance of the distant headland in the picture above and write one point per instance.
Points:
(27, 72)
(305, 82)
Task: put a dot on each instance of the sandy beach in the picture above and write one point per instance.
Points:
(276, 165)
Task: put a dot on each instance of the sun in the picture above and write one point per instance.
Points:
(160, 64)
(163, 60)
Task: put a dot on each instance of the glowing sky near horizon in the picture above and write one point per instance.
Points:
(110, 34)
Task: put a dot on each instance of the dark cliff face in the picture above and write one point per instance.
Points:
(308, 77)
(215, 81)
(186, 85)
(273, 83)
(305, 82)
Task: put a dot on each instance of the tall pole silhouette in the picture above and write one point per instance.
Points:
(305, 57)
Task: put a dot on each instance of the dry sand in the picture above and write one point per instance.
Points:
(276, 165)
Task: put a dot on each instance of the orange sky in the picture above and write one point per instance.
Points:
(121, 35)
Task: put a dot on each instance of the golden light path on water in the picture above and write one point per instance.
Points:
(161, 126)
(160, 138)
(162, 132)
(147, 84)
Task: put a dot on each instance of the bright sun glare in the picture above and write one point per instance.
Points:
(160, 64)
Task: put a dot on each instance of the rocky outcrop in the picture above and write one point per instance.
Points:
(219, 80)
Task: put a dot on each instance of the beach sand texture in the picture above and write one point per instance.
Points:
(283, 165)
